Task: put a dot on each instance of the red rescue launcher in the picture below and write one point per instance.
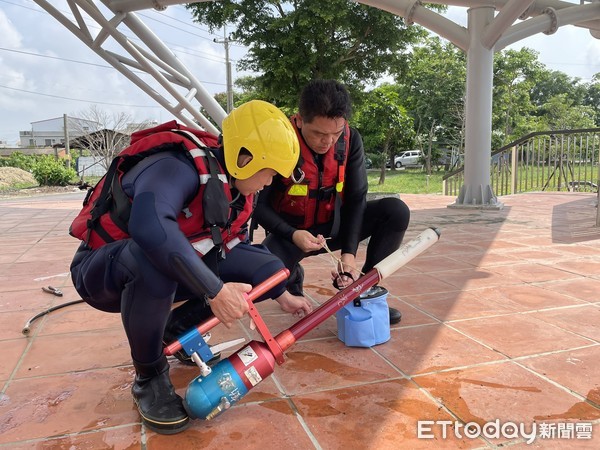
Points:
(209, 395)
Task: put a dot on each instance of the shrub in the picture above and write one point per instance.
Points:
(20, 161)
(51, 172)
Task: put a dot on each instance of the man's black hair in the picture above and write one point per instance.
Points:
(324, 98)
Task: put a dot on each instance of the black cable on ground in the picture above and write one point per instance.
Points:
(27, 328)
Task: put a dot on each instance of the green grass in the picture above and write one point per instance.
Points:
(18, 186)
(537, 178)
(90, 180)
(408, 181)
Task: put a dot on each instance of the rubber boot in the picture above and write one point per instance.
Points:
(181, 320)
(295, 285)
(395, 316)
(161, 408)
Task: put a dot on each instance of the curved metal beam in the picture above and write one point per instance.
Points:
(138, 5)
(535, 9)
(548, 22)
(154, 58)
(505, 18)
(423, 16)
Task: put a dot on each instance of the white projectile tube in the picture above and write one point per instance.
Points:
(407, 251)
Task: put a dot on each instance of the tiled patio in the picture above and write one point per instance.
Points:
(501, 322)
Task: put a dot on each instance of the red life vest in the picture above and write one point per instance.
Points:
(106, 208)
(312, 201)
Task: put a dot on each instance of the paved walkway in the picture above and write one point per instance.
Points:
(501, 322)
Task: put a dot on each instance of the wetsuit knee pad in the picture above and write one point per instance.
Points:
(397, 211)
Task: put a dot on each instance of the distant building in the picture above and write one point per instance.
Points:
(99, 140)
(50, 132)
(136, 126)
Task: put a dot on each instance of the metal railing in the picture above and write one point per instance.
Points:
(563, 160)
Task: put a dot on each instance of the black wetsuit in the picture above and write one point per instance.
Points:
(140, 277)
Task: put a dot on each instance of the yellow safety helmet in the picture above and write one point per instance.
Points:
(266, 133)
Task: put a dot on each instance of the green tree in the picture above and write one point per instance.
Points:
(549, 83)
(515, 75)
(384, 123)
(592, 97)
(561, 114)
(434, 89)
(293, 42)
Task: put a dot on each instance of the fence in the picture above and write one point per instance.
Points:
(90, 166)
(564, 160)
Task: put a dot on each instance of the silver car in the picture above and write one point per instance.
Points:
(409, 158)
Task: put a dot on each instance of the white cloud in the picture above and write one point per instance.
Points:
(10, 36)
(571, 50)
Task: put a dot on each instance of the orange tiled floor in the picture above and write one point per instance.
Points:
(501, 321)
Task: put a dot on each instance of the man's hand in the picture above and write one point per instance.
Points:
(307, 242)
(230, 303)
(347, 264)
(294, 304)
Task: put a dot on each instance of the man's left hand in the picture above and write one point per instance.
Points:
(294, 304)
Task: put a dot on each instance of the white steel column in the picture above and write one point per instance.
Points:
(476, 190)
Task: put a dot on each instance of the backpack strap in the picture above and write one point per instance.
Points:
(214, 192)
(103, 203)
(340, 157)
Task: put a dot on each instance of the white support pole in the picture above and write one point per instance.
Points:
(476, 190)
(66, 134)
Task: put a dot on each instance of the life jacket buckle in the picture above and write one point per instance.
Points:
(217, 239)
(325, 193)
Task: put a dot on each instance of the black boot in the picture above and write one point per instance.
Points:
(395, 316)
(295, 285)
(181, 320)
(160, 407)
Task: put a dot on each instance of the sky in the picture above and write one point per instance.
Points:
(45, 71)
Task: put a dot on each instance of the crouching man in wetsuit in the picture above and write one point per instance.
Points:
(168, 223)
(326, 196)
